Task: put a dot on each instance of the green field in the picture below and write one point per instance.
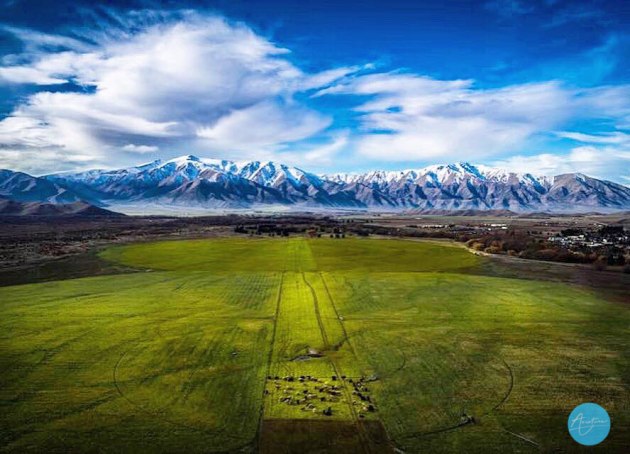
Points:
(184, 355)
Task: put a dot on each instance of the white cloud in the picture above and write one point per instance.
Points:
(610, 138)
(326, 78)
(263, 124)
(174, 83)
(314, 157)
(35, 41)
(178, 79)
(141, 149)
(599, 162)
(25, 74)
(328, 152)
(417, 118)
(39, 161)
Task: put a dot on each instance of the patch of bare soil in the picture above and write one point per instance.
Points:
(303, 436)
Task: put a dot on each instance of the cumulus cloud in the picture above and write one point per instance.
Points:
(324, 154)
(141, 149)
(596, 161)
(263, 124)
(321, 155)
(169, 83)
(410, 117)
(184, 78)
(25, 74)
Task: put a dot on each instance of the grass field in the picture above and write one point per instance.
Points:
(208, 351)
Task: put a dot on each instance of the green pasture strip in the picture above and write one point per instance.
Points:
(293, 254)
(445, 345)
(297, 331)
(134, 361)
(176, 359)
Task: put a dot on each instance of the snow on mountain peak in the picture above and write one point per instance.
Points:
(270, 173)
(183, 160)
(189, 179)
(440, 174)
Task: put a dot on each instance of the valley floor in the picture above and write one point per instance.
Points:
(307, 345)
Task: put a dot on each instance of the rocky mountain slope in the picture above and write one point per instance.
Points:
(22, 187)
(189, 181)
(10, 207)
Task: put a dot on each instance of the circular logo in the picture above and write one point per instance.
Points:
(589, 424)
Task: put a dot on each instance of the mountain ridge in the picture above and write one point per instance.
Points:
(190, 181)
(10, 207)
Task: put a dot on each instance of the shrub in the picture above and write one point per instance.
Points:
(546, 254)
(478, 246)
(600, 264)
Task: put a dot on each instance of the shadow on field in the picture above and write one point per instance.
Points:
(289, 436)
(76, 266)
(610, 285)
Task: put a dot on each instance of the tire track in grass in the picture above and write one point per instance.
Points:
(402, 366)
(363, 436)
(505, 398)
(469, 422)
(270, 358)
(220, 431)
(317, 313)
(352, 350)
(509, 391)
(346, 338)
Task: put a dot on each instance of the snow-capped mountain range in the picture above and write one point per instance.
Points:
(189, 181)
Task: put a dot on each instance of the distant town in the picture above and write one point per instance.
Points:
(600, 241)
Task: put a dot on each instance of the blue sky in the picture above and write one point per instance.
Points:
(540, 86)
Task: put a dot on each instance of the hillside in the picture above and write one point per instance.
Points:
(10, 207)
(191, 182)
